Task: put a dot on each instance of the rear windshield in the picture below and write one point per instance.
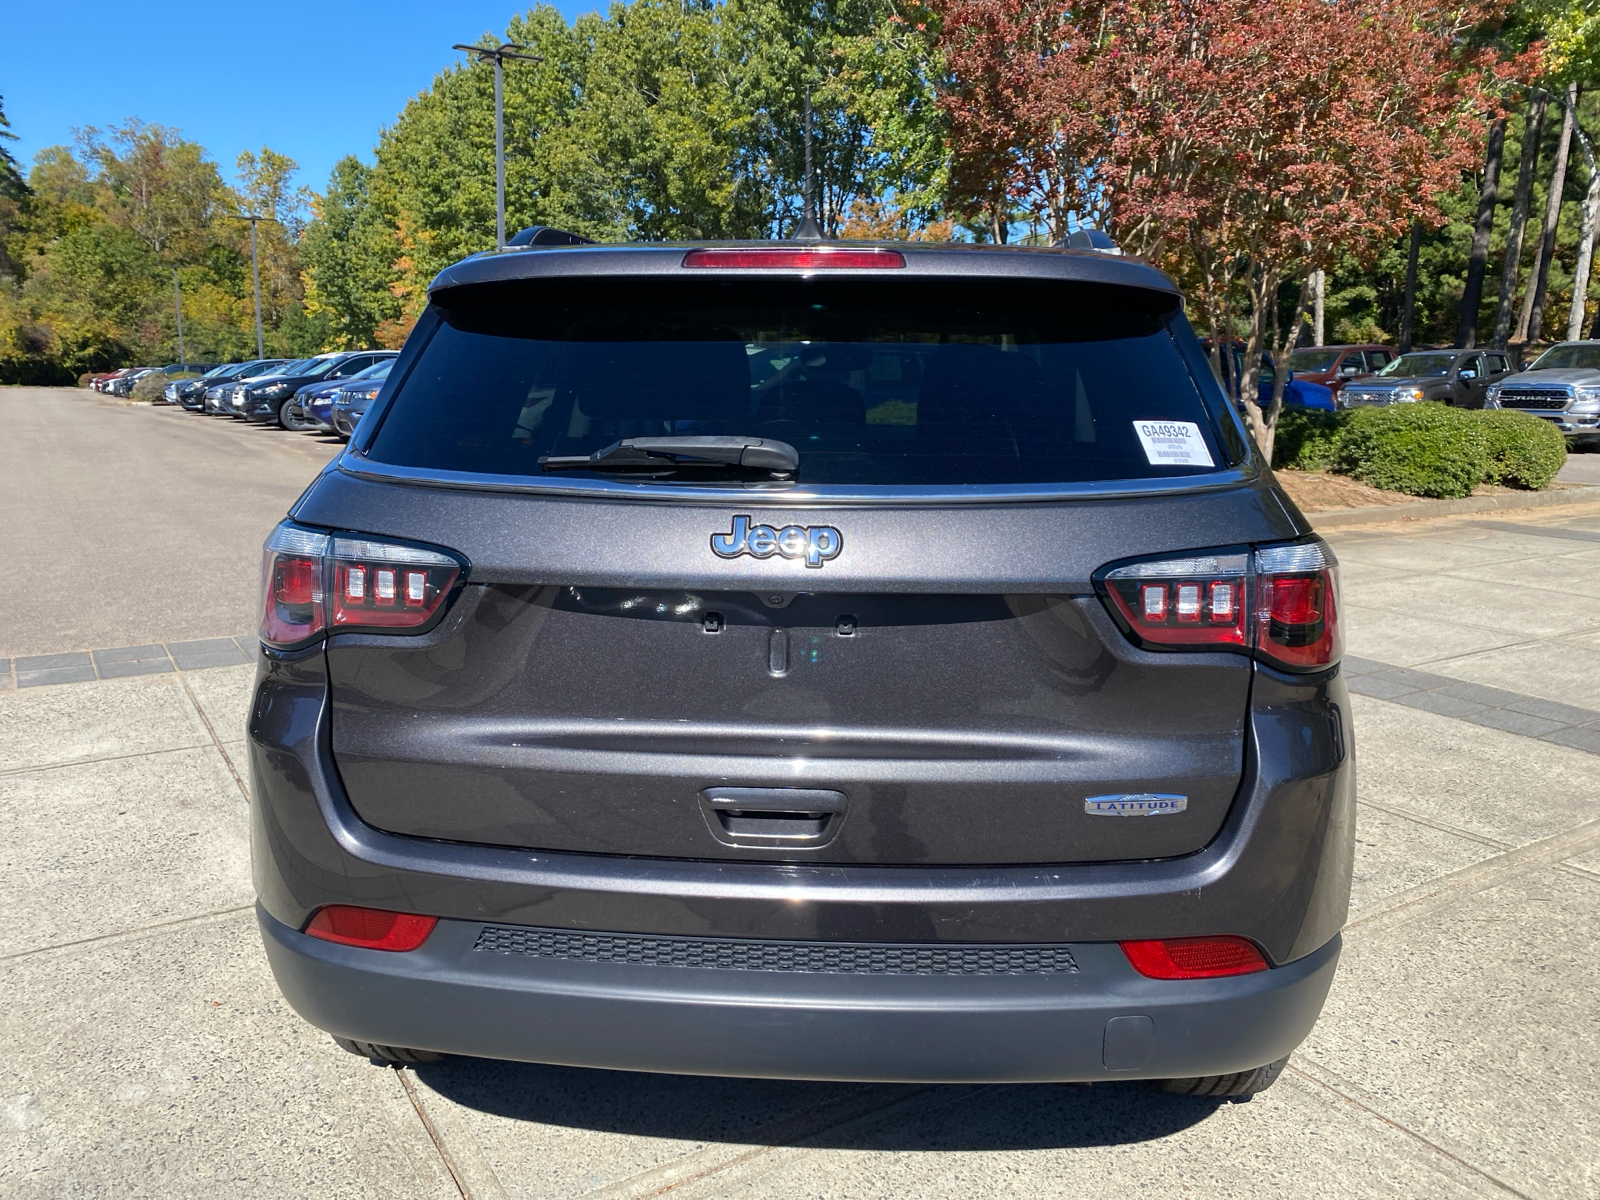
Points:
(914, 382)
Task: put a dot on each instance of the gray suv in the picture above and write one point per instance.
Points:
(827, 661)
(1563, 387)
(1461, 378)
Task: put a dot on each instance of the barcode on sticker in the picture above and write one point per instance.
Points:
(1173, 444)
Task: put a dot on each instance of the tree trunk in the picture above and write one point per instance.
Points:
(1319, 300)
(1263, 286)
(1409, 306)
(1263, 313)
(1580, 272)
(1532, 322)
(1532, 128)
(1280, 377)
(1478, 260)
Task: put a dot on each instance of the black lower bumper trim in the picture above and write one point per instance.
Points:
(1103, 1021)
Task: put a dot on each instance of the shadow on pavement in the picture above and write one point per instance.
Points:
(827, 1115)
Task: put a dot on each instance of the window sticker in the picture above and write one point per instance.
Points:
(1173, 444)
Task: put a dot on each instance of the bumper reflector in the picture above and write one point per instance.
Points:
(1194, 958)
(370, 928)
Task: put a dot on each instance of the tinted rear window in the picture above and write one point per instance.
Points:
(914, 382)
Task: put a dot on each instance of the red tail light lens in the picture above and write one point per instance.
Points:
(796, 258)
(370, 928)
(1195, 958)
(1184, 601)
(312, 583)
(384, 586)
(1297, 601)
(1279, 602)
(292, 611)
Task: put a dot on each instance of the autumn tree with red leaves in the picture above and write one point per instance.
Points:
(1239, 143)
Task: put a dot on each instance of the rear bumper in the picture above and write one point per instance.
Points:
(1102, 1022)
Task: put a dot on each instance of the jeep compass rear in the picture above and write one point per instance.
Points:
(808, 661)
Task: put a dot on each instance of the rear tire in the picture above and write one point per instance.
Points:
(1241, 1084)
(387, 1054)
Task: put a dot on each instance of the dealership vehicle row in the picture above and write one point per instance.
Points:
(325, 393)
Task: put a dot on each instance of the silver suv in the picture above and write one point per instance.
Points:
(1562, 386)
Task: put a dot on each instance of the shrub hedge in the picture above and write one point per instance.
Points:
(1524, 451)
(149, 389)
(1422, 449)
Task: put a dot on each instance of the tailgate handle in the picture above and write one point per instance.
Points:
(751, 816)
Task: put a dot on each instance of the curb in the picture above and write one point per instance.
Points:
(1376, 514)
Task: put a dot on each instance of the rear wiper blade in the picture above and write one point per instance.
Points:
(683, 454)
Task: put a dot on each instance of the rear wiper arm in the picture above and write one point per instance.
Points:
(682, 453)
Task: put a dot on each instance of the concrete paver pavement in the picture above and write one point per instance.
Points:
(148, 1051)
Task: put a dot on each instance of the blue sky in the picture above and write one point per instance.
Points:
(313, 80)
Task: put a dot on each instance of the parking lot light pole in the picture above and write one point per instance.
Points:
(255, 269)
(255, 276)
(177, 304)
(497, 55)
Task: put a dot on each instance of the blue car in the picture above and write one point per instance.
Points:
(311, 409)
(351, 401)
(1297, 393)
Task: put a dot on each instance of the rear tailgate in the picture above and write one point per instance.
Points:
(594, 713)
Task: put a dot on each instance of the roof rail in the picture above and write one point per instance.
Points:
(1090, 239)
(547, 235)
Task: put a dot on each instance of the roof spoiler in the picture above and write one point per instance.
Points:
(547, 235)
(1090, 239)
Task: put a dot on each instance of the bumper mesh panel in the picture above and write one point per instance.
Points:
(728, 954)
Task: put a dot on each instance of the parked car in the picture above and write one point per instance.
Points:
(102, 383)
(1562, 385)
(222, 404)
(190, 393)
(311, 409)
(1335, 366)
(849, 662)
(351, 402)
(1457, 377)
(263, 399)
(1297, 392)
(122, 385)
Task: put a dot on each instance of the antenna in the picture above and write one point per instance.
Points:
(810, 230)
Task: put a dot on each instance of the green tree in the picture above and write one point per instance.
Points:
(349, 252)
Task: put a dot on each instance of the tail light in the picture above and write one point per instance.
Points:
(1195, 958)
(312, 583)
(370, 928)
(1279, 603)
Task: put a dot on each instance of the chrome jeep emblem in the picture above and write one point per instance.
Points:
(1138, 804)
(814, 543)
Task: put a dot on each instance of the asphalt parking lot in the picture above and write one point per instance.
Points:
(147, 1051)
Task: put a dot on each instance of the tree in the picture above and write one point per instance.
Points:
(349, 252)
(1025, 130)
(267, 189)
(1530, 322)
(13, 196)
(162, 188)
